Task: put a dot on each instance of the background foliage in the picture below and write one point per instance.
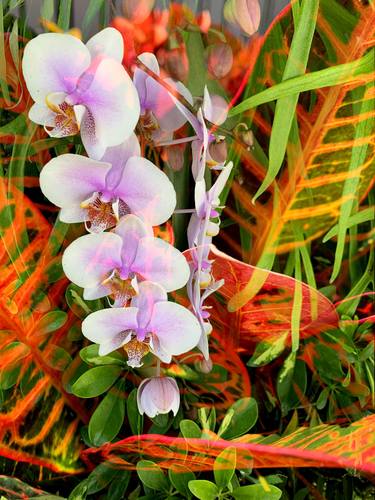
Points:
(287, 410)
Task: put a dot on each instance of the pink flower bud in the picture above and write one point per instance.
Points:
(137, 10)
(175, 62)
(205, 366)
(245, 13)
(175, 156)
(220, 60)
(218, 151)
(158, 395)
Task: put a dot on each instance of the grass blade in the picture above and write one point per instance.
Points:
(285, 107)
(64, 14)
(336, 75)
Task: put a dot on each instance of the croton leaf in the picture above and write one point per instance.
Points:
(330, 157)
(268, 315)
(39, 418)
(321, 446)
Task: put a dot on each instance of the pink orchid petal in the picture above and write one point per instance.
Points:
(131, 230)
(110, 327)
(106, 43)
(113, 103)
(215, 108)
(148, 294)
(147, 191)
(156, 260)
(41, 114)
(117, 156)
(91, 258)
(53, 62)
(175, 327)
(68, 180)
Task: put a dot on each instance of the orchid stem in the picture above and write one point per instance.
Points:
(184, 211)
(176, 141)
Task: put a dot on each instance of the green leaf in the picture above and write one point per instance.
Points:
(197, 64)
(265, 352)
(244, 418)
(51, 322)
(152, 476)
(64, 14)
(365, 215)
(224, 467)
(77, 304)
(119, 485)
(358, 157)
(96, 381)
(286, 106)
(90, 355)
(190, 429)
(179, 476)
(106, 421)
(100, 477)
(327, 363)
(48, 9)
(57, 357)
(134, 417)
(205, 490)
(322, 399)
(335, 75)
(291, 383)
(7, 214)
(90, 14)
(257, 492)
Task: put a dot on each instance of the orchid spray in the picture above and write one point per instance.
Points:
(121, 196)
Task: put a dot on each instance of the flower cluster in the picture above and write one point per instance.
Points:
(120, 196)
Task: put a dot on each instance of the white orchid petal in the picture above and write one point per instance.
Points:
(42, 115)
(106, 43)
(147, 191)
(175, 327)
(156, 260)
(106, 324)
(53, 62)
(113, 103)
(70, 179)
(89, 259)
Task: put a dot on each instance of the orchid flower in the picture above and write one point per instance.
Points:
(201, 230)
(214, 109)
(150, 324)
(78, 87)
(113, 263)
(158, 395)
(101, 192)
(158, 109)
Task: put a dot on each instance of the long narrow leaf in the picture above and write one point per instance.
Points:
(347, 73)
(285, 107)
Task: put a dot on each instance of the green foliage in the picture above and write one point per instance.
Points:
(107, 419)
(245, 415)
(257, 491)
(95, 381)
(205, 490)
(151, 475)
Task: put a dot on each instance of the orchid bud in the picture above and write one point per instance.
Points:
(243, 132)
(158, 395)
(218, 151)
(244, 13)
(175, 62)
(220, 60)
(204, 21)
(137, 10)
(205, 365)
(175, 156)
